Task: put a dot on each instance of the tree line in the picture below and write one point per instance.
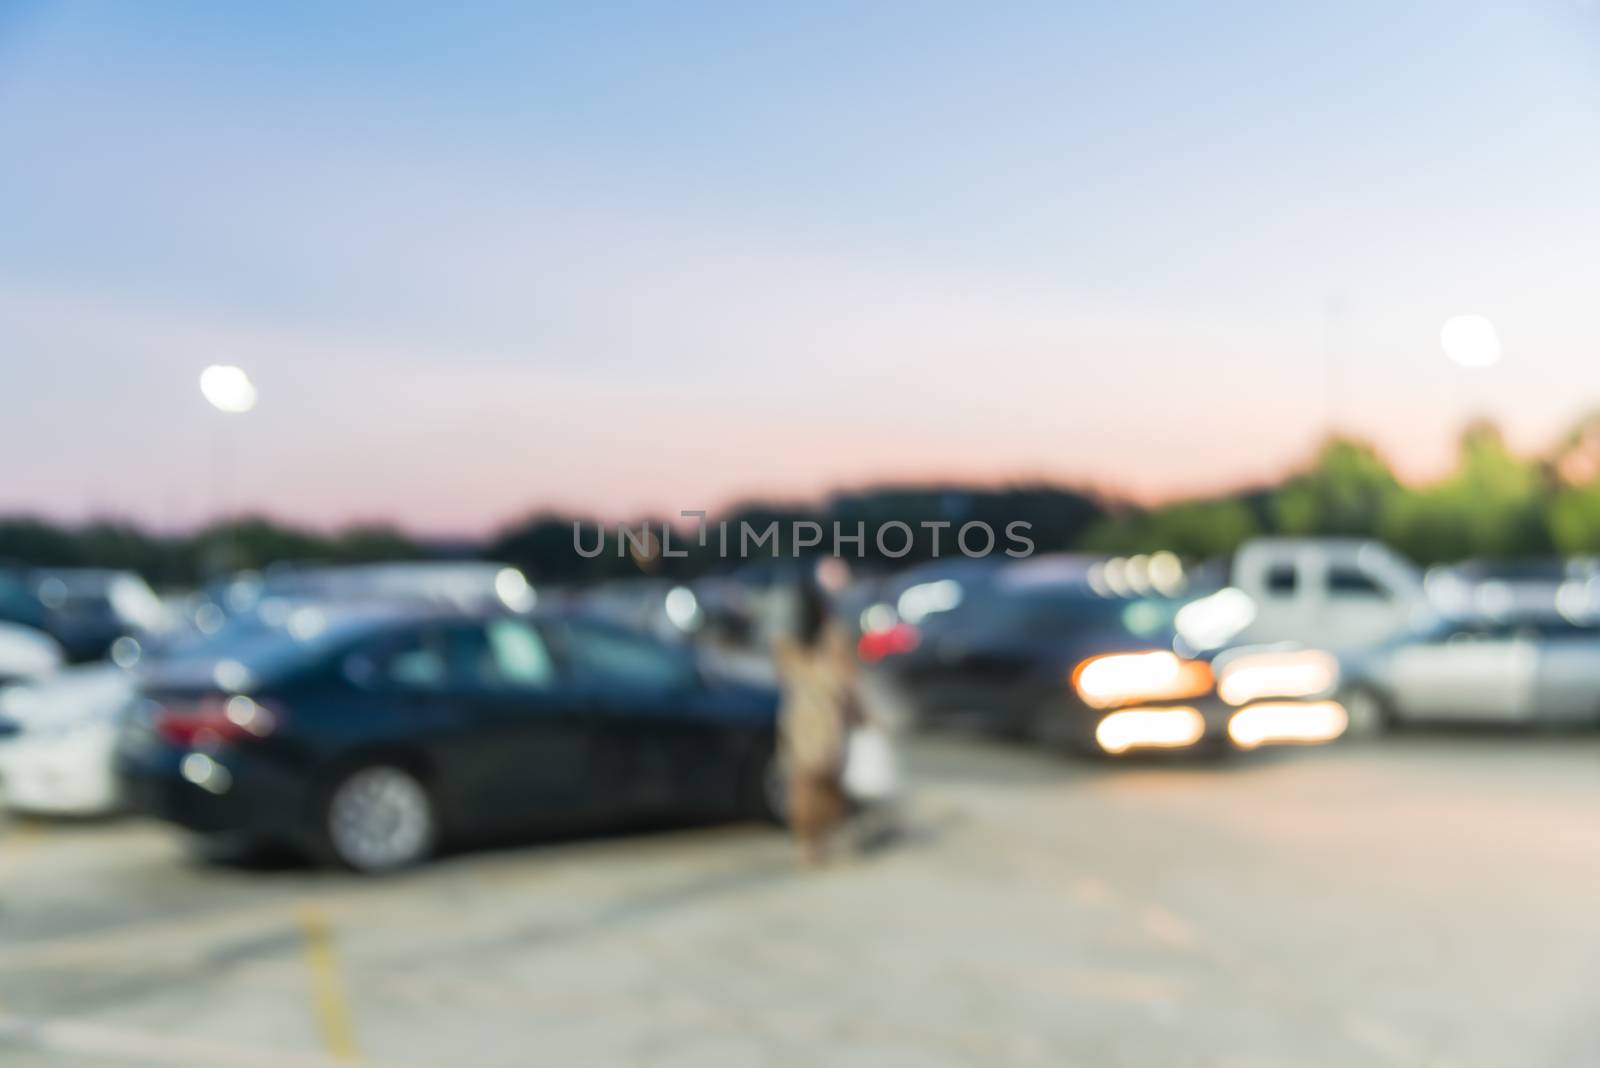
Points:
(1492, 504)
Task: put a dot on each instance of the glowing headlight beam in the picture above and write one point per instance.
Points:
(1299, 673)
(1287, 723)
(1150, 728)
(1123, 678)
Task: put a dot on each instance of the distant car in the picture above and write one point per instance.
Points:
(86, 610)
(1339, 594)
(461, 585)
(1481, 671)
(750, 605)
(56, 741)
(1038, 652)
(1554, 590)
(376, 738)
(669, 610)
(26, 654)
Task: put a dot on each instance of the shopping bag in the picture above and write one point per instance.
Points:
(871, 769)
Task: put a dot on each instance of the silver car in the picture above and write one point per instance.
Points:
(1482, 671)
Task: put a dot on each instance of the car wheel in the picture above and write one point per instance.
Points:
(379, 818)
(1369, 713)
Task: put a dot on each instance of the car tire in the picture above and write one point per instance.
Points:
(378, 818)
(1369, 713)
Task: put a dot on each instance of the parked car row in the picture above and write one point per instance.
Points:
(1302, 637)
(83, 611)
(371, 715)
(58, 720)
(368, 715)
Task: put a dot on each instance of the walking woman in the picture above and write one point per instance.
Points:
(816, 668)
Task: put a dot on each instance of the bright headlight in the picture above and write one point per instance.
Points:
(1150, 728)
(1298, 673)
(1287, 722)
(1123, 678)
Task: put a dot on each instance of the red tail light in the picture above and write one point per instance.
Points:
(215, 719)
(877, 644)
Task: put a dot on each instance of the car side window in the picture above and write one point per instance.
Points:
(416, 663)
(612, 655)
(518, 658)
(415, 660)
(1281, 579)
(1353, 583)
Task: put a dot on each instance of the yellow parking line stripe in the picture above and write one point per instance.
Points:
(327, 991)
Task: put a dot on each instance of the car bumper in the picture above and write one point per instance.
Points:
(68, 774)
(210, 793)
(1022, 703)
(993, 704)
(1214, 725)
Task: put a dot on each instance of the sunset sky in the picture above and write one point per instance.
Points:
(648, 257)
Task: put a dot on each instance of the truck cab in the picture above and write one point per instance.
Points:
(1339, 594)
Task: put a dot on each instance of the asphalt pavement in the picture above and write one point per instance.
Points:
(1418, 900)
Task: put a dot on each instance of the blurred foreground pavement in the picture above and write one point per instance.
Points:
(1420, 901)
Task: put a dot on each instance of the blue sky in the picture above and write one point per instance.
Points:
(661, 256)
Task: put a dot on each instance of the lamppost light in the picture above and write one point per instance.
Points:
(228, 388)
(1470, 341)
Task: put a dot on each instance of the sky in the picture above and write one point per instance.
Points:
(637, 258)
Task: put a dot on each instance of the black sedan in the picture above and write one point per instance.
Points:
(1038, 653)
(370, 739)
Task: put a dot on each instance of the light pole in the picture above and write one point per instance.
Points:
(229, 390)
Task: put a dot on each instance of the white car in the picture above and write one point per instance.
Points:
(1483, 671)
(26, 654)
(56, 741)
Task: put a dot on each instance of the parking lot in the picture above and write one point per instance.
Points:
(1426, 900)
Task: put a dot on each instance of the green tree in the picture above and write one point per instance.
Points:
(373, 543)
(26, 540)
(1574, 519)
(1347, 490)
(1493, 505)
(1197, 529)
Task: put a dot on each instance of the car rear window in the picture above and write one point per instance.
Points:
(265, 651)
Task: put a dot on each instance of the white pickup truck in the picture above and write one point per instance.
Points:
(1339, 594)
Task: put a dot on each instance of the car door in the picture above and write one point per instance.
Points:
(402, 699)
(1282, 605)
(1567, 687)
(1477, 673)
(657, 749)
(1356, 607)
(525, 755)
